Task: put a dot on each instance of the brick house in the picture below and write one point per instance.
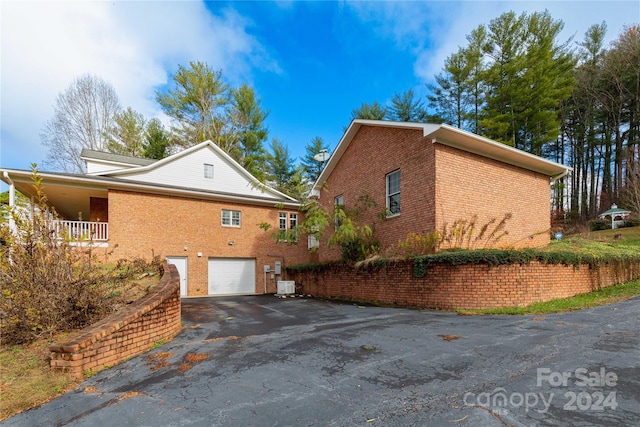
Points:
(423, 176)
(199, 209)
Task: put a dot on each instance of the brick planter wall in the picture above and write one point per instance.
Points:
(129, 332)
(470, 286)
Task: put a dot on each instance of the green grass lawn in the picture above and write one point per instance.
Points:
(605, 242)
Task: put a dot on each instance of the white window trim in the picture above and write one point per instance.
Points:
(287, 222)
(231, 224)
(282, 216)
(388, 195)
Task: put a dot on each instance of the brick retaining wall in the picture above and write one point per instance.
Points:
(129, 332)
(469, 286)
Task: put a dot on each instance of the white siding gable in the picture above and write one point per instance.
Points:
(95, 167)
(187, 170)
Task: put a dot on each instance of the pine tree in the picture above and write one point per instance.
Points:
(310, 166)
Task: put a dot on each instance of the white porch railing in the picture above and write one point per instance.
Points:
(83, 230)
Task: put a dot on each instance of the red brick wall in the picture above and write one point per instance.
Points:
(438, 185)
(372, 154)
(470, 286)
(143, 225)
(127, 333)
(468, 185)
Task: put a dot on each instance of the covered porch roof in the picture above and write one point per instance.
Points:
(70, 194)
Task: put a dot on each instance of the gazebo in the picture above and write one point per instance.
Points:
(618, 215)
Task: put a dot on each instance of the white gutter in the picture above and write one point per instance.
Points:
(88, 181)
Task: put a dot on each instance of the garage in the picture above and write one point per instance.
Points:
(232, 276)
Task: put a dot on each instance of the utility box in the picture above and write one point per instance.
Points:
(286, 287)
(277, 267)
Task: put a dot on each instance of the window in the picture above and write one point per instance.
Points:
(338, 201)
(393, 193)
(282, 221)
(208, 171)
(230, 218)
(285, 233)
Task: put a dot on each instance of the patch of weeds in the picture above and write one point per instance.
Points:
(158, 344)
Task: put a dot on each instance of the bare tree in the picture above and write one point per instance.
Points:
(83, 114)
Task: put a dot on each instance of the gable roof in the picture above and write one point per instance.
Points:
(453, 137)
(152, 172)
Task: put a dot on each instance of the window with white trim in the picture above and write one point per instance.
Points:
(292, 223)
(393, 193)
(282, 221)
(208, 171)
(230, 218)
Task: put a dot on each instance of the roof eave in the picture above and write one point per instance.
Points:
(476, 144)
(89, 182)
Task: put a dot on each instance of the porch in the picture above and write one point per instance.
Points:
(83, 232)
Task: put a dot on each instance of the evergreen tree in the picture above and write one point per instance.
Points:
(529, 77)
(449, 95)
(406, 108)
(298, 185)
(245, 141)
(198, 104)
(310, 166)
(279, 166)
(369, 111)
(157, 140)
(126, 135)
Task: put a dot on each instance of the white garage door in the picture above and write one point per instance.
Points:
(232, 276)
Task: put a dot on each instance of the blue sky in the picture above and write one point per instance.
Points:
(311, 63)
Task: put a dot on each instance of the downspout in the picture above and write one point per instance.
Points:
(562, 175)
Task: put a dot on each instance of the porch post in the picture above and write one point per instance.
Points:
(12, 200)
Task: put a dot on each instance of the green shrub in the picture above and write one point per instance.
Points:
(599, 224)
(630, 223)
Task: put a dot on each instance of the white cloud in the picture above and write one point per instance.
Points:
(132, 45)
(433, 30)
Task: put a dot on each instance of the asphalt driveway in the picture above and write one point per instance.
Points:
(262, 361)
